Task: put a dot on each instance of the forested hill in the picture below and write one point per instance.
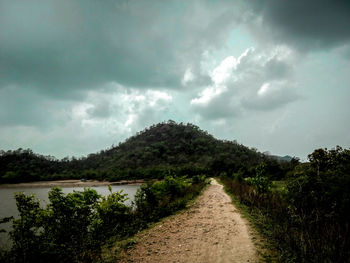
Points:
(172, 144)
(164, 147)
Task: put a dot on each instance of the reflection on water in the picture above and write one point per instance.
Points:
(8, 203)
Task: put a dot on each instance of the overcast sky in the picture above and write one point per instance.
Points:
(77, 76)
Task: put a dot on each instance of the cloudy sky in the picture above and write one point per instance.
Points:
(77, 76)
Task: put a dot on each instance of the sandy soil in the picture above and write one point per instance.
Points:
(69, 183)
(211, 230)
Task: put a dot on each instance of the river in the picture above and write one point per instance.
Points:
(8, 202)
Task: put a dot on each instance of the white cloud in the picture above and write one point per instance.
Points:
(207, 95)
(256, 80)
(155, 97)
(222, 72)
(221, 76)
(263, 89)
(120, 111)
(188, 77)
(81, 110)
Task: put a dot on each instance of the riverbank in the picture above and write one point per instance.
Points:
(70, 183)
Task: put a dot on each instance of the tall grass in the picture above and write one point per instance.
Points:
(298, 234)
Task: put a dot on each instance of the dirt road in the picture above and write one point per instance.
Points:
(211, 230)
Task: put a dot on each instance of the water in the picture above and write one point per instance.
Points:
(8, 202)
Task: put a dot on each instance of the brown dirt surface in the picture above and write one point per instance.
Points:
(211, 230)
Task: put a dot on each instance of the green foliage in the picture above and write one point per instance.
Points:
(25, 234)
(319, 201)
(71, 228)
(74, 227)
(161, 198)
(197, 179)
(69, 225)
(310, 219)
(114, 214)
(182, 148)
(262, 183)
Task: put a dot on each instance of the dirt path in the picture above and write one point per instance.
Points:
(211, 230)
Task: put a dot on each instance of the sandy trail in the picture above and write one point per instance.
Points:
(211, 230)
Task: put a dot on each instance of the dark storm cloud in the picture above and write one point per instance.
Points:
(304, 24)
(24, 107)
(60, 46)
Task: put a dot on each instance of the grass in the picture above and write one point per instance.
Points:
(310, 234)
(262, 228)
(111, 252)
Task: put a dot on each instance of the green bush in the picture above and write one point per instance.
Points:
(71, 228)
(113, 214)
(260, 181)
(74, 227)
(161, 198)
(310, 219)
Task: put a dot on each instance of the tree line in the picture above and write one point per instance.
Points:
(182, 148)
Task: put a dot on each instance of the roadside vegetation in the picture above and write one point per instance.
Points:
(308, 219)
(302, 208)
(75, 227)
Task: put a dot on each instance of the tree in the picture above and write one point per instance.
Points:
(260, 180)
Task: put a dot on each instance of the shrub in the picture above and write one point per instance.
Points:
(73, 227)
(260, 181)
(161, 198)
(113, 214)
(310, 220)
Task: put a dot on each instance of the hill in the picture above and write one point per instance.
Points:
(282, 158)
(162, 148)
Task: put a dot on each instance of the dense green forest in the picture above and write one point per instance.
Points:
(151, 153)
